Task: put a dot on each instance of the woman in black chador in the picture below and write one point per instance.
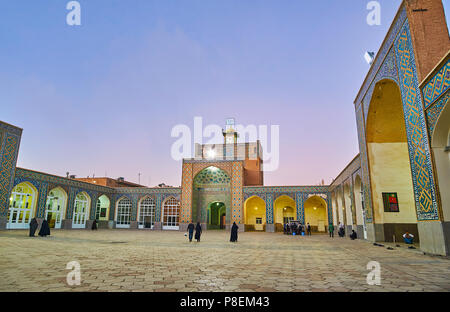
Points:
(234, 233)
(33, 227)
(198, 231)
(45, 229)
(94, 225)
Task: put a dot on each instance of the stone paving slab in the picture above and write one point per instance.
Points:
(154, 261)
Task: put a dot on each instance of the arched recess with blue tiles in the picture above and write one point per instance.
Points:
(211, 203)
(284, 210)
(255, 212)
(315, 209)
(388, 156)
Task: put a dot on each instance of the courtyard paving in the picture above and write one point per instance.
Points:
(151, 261)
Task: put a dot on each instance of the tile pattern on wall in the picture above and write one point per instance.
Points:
(438, 85)
(434, 111)
(9, 149)
(420, 157)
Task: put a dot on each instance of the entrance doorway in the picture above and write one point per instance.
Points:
(216, 215)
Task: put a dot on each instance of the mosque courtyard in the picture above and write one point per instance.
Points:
(152, 261)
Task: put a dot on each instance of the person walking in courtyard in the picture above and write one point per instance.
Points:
(190, 229)
(331, 229)
(308, 229)
(45, 229)
(341, 231)
(198, 231)
(94, 225)
(234, 233)
(33, 227)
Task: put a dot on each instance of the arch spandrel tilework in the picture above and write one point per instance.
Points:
(42, 200)
(279, 194)
(94, 199)
(418, 145)
(434, 111)
(436, 94)
(70, 203)
(438, 85)
(206, 177)
(388, 70)
(112, 208)
(225, 166)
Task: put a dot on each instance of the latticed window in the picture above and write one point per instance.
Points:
(171, 212)
(147, 212)
(81, 210)
(97, 209)
(123, 211)
(21, 206)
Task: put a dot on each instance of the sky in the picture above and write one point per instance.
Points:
(103, 97)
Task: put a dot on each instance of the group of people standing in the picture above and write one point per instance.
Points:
(297, 229)
(341, 231)
(44, 231)
(198, 232)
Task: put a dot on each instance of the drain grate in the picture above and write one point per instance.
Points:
(118, 242)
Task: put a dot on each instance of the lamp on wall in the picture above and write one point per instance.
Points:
(211, 153)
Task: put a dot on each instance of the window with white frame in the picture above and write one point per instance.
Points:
(123, 211)
(80, 210)
(171, 212)
(147, 212)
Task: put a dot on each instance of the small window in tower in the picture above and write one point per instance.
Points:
(258, 220)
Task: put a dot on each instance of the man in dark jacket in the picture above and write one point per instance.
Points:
(190, 229)
(234, 233)
(198, 231)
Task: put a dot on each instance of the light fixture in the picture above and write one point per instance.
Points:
(256, 208)
(315, 208)
(211, 153)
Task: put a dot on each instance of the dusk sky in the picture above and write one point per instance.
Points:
(102, 98)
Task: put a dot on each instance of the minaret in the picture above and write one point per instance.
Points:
(230, 140)
(229, 134)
